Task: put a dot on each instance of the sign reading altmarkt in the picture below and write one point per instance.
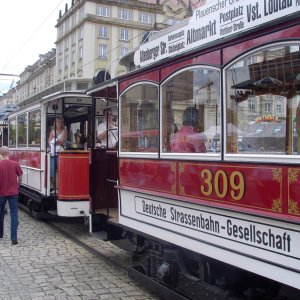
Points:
(213, 21)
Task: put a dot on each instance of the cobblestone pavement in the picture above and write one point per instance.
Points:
(46, 264)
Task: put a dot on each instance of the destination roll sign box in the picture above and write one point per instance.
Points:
(213, 21)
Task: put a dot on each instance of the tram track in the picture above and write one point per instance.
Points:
(153, 286)
(115, 261)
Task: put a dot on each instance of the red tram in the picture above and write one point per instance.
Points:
(205, 182)
(29, 127)
(209, 153)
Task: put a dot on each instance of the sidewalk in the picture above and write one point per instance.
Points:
(48, 265)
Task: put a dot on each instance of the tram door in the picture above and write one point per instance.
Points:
(104, 172)
(3, 136)
(69, 185)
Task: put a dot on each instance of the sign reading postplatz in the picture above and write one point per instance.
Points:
(213, 21)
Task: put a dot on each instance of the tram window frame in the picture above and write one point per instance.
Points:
(103, 103)
(143, 150)
(213, 134)
(34, 137)
(272, 87)
(12, 132)
(22, 135)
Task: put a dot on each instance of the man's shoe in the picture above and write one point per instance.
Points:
(1, 236)
(14, 242)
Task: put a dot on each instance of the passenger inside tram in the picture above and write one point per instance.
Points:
(79, 141)
(191, 99)
(107, 129)
(187, 139)
(57, 141)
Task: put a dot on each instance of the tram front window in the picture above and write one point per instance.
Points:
(191, 111)
(263, 103)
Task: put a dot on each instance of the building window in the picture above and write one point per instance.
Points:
(81, 13)
(125, 14)
(268, 107)
(73, 20)
(103, 11)
(73, 57)
(66, 43)
(61, 30)
(170, 21)
(66, 61)
(124, 35)
(251, 104)
(145, 18)
(73, 37)
(60, 65)
(80, 53)
(103, 32)
(80, 34)
(82, 86)
(279, 109)
(67, 25)
(123, 51)
(102, 51)
(60, 48)
(144, 36)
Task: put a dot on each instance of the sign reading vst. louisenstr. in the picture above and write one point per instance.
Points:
(215, 20)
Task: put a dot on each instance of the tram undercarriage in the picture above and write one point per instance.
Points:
(37, 205)
(199, 277)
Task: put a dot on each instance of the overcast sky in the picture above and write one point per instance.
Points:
(27, 30)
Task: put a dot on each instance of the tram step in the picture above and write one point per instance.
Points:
(102, 235)
(163, 291)
(52, 212)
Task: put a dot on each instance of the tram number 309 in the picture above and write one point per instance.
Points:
(223, 184)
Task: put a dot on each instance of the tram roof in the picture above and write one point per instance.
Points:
(68, 94)
(99, 90)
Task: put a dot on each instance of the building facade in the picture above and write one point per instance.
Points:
(91, 37)
(39, 79)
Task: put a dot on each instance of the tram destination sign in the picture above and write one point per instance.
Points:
(213, 21)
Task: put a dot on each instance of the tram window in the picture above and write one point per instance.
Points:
(12, 126)
(34, 129)
(256, 87)
(22, 130)
(106, 117)
(139, 123)
(191, 111)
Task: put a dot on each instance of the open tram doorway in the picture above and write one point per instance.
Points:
(104, 169)
(68, 118)
(3, 133)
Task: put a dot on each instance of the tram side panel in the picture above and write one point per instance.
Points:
(30, 162)
(242, 210)
(242, 219)
(73, 183)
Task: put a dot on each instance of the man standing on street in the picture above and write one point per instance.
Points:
(10, 179)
